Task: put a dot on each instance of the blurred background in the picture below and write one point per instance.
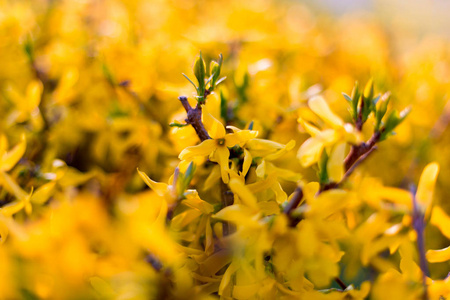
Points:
(93, 87)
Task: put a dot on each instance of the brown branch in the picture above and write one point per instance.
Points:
(356, 162)
(358, 150)
(359, 121)
(340, 283)
(293, 203)
(194, 118)
(418, 224)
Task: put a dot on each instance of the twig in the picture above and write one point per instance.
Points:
(418, 223)
(357, 163)
(194, 118)
(227, 200)
(357, 151)
(293, 203)
(334, 185)
(340, 283)
(359, 122)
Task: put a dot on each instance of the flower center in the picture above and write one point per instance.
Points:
(221, 142)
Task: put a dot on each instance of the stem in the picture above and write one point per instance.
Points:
(358, 162)
(418, 223)
(194, 118)
(340, 283)
(359, 122)
(293, 203)
(227, 200)
(359, 150)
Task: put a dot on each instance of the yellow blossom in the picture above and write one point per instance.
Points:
(311, 150)
(217, 147)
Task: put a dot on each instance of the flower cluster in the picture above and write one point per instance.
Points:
(265, 181)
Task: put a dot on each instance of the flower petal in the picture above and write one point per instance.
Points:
(43, 193)
(10, 158)
(240, 137)
(335, 164)
(239, 214)
(12, 208)
(159, 188)
(427, 181)
(3, 231)
(243, 192)
(203, 149)
(215, 128)
(320, 107)
(441, 220)
(312, 130)
(262, 148)
(436, 256)
(33, 94)
(11, 186)
(221, 156)
(310, 151)
(247, 162)
(212, 178)
(289, 146)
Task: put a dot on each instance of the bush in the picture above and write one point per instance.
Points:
(273, 189)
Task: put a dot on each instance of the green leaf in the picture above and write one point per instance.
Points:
(323, 173)
(347, 97)
(393, 120)
(176, 124)
(220, 80)
(190, 81)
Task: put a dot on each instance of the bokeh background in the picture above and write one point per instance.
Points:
(93, 86)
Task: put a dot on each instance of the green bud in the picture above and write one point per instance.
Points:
(381, 109)
(355, 99)
(215, 71)
(215, 68)
(199, 72)
(367, 102)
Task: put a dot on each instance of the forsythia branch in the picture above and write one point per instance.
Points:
(293, 203)
(358, 151)
(194, 118)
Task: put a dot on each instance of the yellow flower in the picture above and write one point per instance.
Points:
(8, 159)
(311, 150)
(217, 147)
(26, 105)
